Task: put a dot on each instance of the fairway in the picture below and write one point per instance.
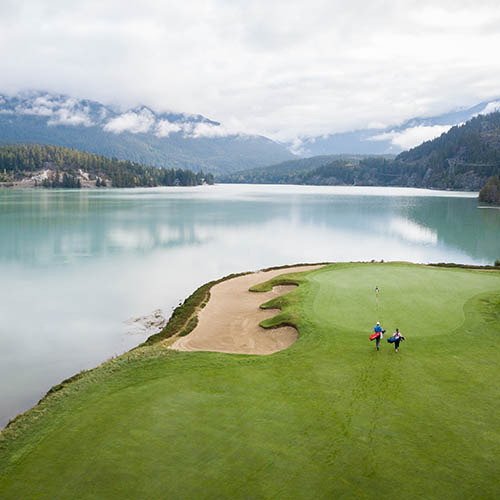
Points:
(328, 417)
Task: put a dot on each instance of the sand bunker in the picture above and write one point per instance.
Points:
(230, 321)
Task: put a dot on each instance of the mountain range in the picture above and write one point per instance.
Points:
(178, 140)
(392, 139)
(167, 140)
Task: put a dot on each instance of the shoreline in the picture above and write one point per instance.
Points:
(20, 185)
(159, 343)
(156, 344)
(230, 322)
(434, 190)
(29, 184)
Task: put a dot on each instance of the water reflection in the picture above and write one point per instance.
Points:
(411, 231)
(75, 264)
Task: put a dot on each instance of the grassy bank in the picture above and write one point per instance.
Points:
(328, 417)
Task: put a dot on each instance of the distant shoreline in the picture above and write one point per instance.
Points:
(22, 185)
(91, 185)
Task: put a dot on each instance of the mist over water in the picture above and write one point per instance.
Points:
(75, 265)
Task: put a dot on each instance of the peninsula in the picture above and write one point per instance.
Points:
(323, 414)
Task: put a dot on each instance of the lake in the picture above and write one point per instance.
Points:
(75, 265)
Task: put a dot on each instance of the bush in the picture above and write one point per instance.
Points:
(190, 326)
(490, 193)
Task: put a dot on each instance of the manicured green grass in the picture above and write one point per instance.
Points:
(328, 417)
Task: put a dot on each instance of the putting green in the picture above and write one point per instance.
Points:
(328, 417)
(418, 300)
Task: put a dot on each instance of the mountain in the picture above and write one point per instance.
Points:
(393, 139)
(464, 158)
(168, 140)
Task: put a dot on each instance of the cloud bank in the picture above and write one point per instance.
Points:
(65, 111)
(411, 137)
(140, 122)
(283, 69)
(145, 121)
(490, 108)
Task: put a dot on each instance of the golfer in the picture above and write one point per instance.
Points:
(397, 339)
(378, 329)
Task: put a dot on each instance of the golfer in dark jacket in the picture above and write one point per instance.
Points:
(397, 339)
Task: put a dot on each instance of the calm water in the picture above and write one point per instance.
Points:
(74, 265)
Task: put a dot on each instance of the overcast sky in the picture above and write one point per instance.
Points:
(277, 68)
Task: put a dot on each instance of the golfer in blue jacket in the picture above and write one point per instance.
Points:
(378, 329)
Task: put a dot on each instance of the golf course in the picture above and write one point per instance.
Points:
(327, 417)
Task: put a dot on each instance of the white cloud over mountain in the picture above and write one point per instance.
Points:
(68, 111)
(490, 108)
(204, 129)
(135, 122)
(64, 110)
(65, 116)
(411, 137)
(164, 128)
(41, 106)
(145, 121)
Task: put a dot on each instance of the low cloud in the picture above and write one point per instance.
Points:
(490, 108)
(103, 113)
(412, 137)
(64, 110)
(296, 146)
(134, 122)
(68, 116)
(41, 106)
(193, 130)
(164, 128)
(60, 111)
(203, 129)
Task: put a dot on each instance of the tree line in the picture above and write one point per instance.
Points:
(69, 166)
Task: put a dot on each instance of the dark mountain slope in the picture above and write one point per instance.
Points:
(463, 158)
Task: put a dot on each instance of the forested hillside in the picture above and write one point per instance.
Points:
(462, 159)
(54, 166)
(292, 171)
(373, 171)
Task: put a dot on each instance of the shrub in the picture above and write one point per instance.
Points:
(490, 193)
